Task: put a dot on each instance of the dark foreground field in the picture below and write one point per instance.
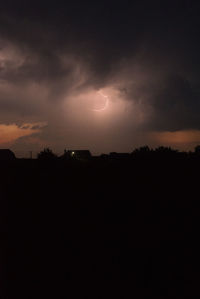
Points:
(100, 229)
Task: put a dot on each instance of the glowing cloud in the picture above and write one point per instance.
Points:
(10, 133)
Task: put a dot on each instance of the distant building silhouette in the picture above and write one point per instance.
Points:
(77, 154)
(6, 155)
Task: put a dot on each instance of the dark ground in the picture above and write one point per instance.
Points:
(106, 228)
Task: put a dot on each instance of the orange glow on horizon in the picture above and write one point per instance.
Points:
(177, 138)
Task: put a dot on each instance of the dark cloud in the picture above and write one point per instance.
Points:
(171, 101)
(99, 34)
(176, 105)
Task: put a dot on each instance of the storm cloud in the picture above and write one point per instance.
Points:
(55, 58)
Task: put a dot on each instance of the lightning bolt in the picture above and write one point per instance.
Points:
(106, 103)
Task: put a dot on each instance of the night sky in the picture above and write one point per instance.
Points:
(99, 75)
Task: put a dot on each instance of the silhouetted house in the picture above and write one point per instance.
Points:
(6, 155)
(78, 154)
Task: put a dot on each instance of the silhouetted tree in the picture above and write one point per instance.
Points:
(142, 150)
(167, 150)
(46, 154)
(65, 156)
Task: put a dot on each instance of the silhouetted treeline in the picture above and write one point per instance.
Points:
(113, 226)
(142, 152)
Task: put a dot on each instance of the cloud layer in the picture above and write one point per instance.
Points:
(55, 58)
